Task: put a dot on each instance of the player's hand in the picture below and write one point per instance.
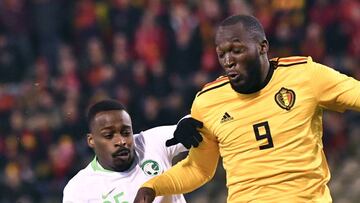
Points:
(186, 133)
(145, 195)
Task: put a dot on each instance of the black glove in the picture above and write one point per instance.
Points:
(186, 133)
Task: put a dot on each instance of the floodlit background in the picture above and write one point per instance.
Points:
(59, 56)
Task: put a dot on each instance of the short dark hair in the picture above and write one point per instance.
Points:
(104, 105)
(251, 24)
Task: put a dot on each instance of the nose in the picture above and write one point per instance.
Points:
(228, 61)
(120, 140)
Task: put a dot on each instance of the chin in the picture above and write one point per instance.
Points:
(123, 165)
(240, 88)
(243, 89)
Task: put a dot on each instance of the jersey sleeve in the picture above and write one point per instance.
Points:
(334, 90)
(192, 172)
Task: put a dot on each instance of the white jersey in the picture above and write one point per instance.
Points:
(96, 184)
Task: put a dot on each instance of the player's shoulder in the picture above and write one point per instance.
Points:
(160, 130)
(291, 61)
(214, 85)
(78, 181)
(156, 135)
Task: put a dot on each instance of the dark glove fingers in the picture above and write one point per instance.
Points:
(171, 142)
(186, 133)
(195, 144)
(186, 145)
(185, 141)
(196, 123)
(196, 139)
(198, 136)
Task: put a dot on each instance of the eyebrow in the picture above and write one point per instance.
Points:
(107, 128)
(112, 127)
(235, 39)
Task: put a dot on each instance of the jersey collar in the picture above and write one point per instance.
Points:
(96, 166)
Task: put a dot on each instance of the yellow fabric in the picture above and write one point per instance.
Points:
(294, 167)
(189, 173)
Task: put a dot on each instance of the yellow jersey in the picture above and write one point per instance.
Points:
(270, 141)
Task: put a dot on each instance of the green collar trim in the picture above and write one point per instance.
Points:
(97, 167)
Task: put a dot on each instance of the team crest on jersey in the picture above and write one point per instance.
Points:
(151, 168)
(285, 98)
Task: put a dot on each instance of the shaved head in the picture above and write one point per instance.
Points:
(250, 24)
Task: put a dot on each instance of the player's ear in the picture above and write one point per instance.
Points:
(90, 140)
(264, 46)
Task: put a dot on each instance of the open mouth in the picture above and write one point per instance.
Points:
(124, 153)
(234, 76)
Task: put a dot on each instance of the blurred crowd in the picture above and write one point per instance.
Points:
(59, 56)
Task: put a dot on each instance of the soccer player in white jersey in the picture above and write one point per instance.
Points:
(123, 161)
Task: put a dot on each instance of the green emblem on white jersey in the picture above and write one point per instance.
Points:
(151, 168)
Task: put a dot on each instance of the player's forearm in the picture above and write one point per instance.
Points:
(191, 173)
(174, 182)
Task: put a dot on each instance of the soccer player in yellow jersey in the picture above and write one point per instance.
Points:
(264, 119)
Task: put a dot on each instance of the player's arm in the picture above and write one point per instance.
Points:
(334, 90)
(194, 171)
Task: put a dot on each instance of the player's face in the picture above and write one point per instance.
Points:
(239, 55)
(112, 139)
